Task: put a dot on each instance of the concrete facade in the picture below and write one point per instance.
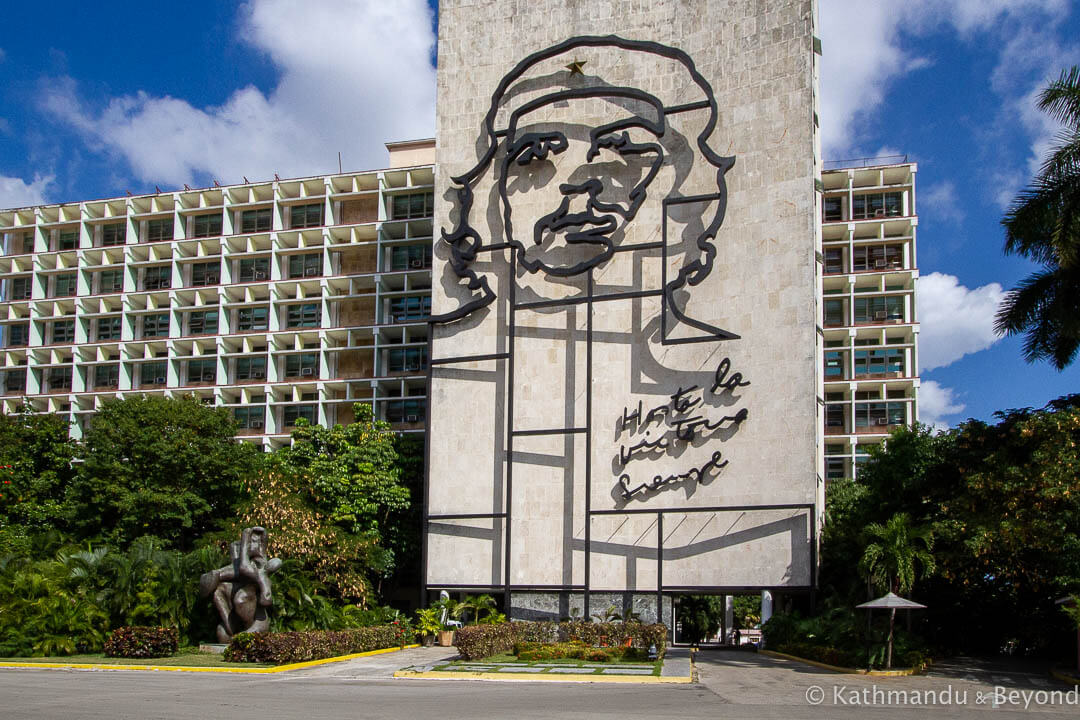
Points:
(566, 358)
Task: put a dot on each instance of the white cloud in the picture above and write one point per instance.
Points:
(936, 403)
(955, 320)
(16, 192)
(863, 54)
(942, 201)
(353, 74)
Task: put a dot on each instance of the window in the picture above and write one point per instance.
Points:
(58, 379)
(62, 331)
(107, 329)
(158, 277)
(204, 322)
(308, 265)
(255, 318)
(293, 413)
(208, 273)
(409, 411)
(835, 468)
(64, 285)
(412, 206)
(18, 335)
(15, 381)
(206, 225)
(834, 313)
(153, 373)
(251, 269)
(305, 216)
(106, 376)
(250, 368)
(67, 240)
(833, 209)
(877, 257)
(834, 418)
(877, 205)
(113, 234)
(879, 362)
(259, 220)
(302, 365)
(406, 257)
(23, 242)
(160, 229)
(305, 315)
(406, 359)
(155, 325)
(202, 371)
(109, 281)
(879, 309)
(249, 418)
(834, 365)
(834, 261)
(405, 309)
(869, 415)
(21, 288)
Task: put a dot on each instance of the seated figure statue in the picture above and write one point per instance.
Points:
(241, 590)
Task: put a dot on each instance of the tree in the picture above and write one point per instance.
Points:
(167, 467)
(700, 616)
(351, 476)
(891, 559)
(1043, 225)
(35, 470)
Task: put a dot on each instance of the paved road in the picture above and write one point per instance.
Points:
(733, 685)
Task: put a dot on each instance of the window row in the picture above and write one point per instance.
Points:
(864, 206)
(864, 258)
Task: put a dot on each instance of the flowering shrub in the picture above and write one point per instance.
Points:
(142, 642)
(480, 641)
(290, 647)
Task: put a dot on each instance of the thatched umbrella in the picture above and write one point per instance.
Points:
(891, 602)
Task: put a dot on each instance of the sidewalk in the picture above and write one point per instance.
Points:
(676, 668)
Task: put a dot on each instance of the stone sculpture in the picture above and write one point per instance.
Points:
(241, 590)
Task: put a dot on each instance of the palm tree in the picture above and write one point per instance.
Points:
(890, 560)
(1043, 225)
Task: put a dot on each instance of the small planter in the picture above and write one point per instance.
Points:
(427, 640)
(446, 638)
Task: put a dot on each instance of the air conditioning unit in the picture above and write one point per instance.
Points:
(309, 272)
(260, 275)
(883, 421)
(212, 280)
(258, 374)
(255, 424)
(416, 263)
(880, 263)
(412, 418)
(881, 315)
(879, 213)
(307, 371)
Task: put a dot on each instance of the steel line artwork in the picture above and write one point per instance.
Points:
(596, 225)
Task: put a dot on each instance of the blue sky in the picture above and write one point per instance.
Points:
(100, 98)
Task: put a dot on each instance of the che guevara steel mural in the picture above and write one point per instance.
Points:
(603, 176)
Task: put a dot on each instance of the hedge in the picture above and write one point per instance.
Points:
(479, 641)
(142, 642)
(290, 647)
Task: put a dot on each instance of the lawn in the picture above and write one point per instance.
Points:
(187, 657)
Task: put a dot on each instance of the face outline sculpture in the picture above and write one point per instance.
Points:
(593, 207)
(594, 225)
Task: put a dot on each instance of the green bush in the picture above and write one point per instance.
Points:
(820, 653)
(142, 642)
(291, 647)
(480, 641)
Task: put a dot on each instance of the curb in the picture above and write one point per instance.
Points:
(541, 677)
(183, 668)
(844, 670)
(1067, 679)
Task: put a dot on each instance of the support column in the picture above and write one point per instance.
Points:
(766, 606)
(729, 619)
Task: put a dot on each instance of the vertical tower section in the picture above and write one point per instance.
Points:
(625, 360)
